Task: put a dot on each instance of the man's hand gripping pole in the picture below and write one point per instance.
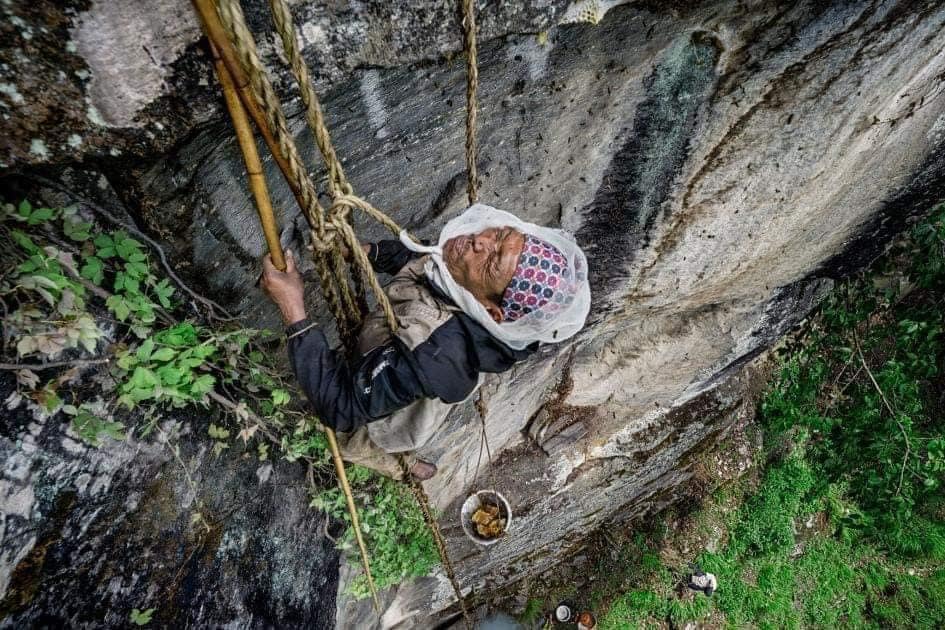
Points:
(222, 48)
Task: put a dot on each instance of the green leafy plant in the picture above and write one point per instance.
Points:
(141, 618)
(52, 317)
(865, 387)
(76, 291)
(91, 428)
(855, 441)
(63, 294)
(169, 366)
(399, 544)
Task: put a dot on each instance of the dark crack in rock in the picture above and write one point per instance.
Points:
(722, 162)
(635, 188)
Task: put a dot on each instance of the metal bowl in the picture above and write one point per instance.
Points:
(472, 503)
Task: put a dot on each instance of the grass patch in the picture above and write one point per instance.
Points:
(847, 526)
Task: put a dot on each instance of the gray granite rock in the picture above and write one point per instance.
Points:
(134, 81)
(87, 534)
(721, 162)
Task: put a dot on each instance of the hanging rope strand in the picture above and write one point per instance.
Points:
(231, 15)
(472, 85)
(329, 229)
(285, 27)
(484, 440)
(472, 184)
(343, 197)
(264, 207)
(424, 501)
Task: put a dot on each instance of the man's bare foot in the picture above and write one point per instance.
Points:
(421, 470)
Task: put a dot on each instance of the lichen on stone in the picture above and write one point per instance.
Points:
(9, 90)
(38, 148)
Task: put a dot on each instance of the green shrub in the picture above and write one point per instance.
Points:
(85, 292)
(68, 291)
(399, 544)
(855, 438)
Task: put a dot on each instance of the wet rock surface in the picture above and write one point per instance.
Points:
(90, 533)
(721, 162)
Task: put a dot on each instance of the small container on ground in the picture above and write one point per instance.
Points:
(486, 517)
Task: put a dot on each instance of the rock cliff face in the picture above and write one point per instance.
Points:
(720, 161)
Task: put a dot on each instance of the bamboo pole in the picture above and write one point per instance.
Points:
(213, 29)
(353, 511)
(235, 105)
(257, 180)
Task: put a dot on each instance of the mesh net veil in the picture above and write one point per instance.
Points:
(572, 300)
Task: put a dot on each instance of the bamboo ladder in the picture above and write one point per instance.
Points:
(250, 92)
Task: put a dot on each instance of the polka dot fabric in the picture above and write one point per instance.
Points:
(541, 274)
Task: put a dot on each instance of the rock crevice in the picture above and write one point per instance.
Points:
(721, 162)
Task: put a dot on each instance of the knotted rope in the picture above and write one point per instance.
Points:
(328, 259)
(343, 200)
(330, 229)
(285, 27)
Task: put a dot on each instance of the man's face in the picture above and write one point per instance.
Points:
(484, 263)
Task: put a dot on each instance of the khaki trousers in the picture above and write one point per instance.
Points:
(358, 448)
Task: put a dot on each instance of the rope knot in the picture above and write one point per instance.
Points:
(340, 210)
(325, 243)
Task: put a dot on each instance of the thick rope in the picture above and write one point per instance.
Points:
(421, 495)
(341, 190)
(343, 201)
(211, 23)
(328, 227)
(285, 27)
(231, 15)
(472, 85)
(329, 266)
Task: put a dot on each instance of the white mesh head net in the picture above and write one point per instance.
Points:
(572, 300)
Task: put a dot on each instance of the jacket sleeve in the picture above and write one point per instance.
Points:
(389, 256)
(388, 378)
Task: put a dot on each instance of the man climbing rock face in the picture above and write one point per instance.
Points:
(479, 301)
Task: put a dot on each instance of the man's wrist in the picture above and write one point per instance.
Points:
(293, 314)
(299, 328)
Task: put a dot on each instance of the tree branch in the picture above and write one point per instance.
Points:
(892, 412)
(53, 364)
(231, 406)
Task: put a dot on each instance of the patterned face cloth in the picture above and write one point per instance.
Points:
(540, 282)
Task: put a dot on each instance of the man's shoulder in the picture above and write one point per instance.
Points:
(459, 339)
(431, 323)
(421, 309)
(413, 270)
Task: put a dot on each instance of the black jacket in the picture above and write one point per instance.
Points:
(390, 377)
